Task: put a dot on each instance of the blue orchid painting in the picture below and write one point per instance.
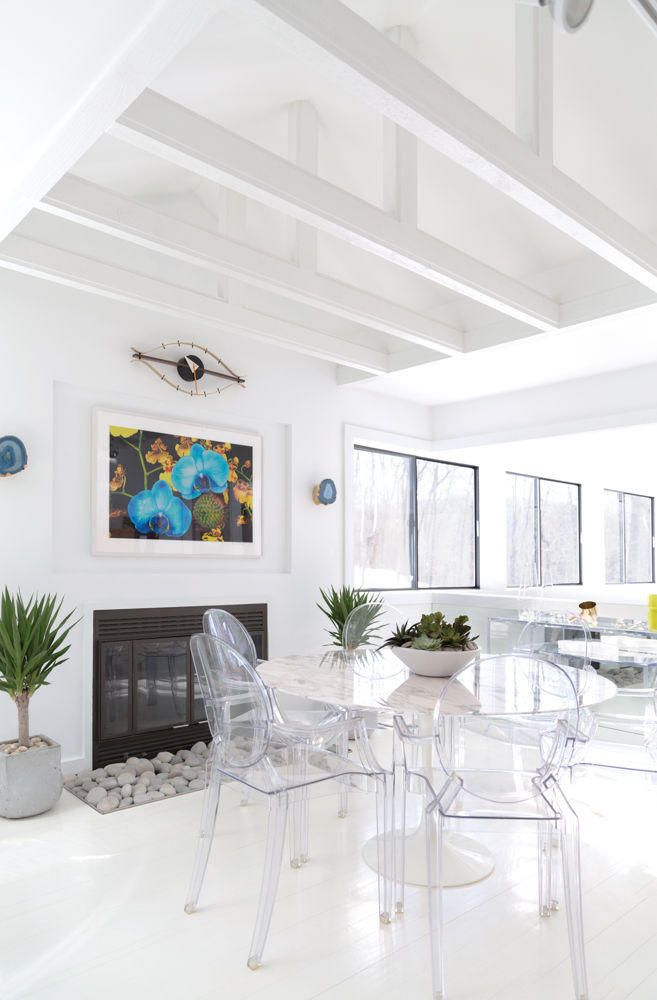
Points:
(158, 511)
(202, 471)
(164, 486)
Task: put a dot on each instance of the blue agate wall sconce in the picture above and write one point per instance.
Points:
(325, 493)
(13, 455)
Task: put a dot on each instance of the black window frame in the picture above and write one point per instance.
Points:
(537, 506)
(413, 525)
(644, 496)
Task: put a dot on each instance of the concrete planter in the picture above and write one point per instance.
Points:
(435, 662)
(30, 782)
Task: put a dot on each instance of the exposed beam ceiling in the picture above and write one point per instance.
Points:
(151, 41)
(107, 212)
(64, 267)
(364, 62)
(165, 129)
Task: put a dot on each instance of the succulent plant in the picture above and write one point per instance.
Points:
(433, 631)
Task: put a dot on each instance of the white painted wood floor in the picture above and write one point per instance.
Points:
(91, 906)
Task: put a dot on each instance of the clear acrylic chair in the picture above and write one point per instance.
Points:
(576, 653)
(304, 713)
(481, 773)
(251, 747)
(365, 631)
(313, 721)
(626, 740)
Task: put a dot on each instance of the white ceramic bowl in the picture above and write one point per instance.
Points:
(434, 662)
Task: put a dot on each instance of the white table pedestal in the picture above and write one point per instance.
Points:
(465, 861)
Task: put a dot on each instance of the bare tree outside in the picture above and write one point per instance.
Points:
(388, 489)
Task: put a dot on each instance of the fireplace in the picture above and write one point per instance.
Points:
(145, 697)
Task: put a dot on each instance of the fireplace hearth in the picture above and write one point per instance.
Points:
(145, 697)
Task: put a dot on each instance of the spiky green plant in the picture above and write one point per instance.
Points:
(32, 640)
(402, 635)
(338, 605)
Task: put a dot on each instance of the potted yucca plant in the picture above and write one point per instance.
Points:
(32, 644)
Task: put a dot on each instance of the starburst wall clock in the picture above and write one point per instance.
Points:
(193, 374)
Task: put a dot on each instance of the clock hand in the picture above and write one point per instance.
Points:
(192, 364)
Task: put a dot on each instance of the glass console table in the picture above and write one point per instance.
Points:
(625, 652)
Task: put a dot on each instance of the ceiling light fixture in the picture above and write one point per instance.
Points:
(568, 15)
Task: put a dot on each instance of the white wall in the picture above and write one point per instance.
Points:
(65, 352)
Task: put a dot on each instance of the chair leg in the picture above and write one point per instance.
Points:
(276, 824)
(544, 868)
(398, 825)
(572, 882)
(342, 747)
(384, 832)
(206, 833)
(300, 812)
(434, 850)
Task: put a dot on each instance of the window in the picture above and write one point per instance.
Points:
(542, 531)
(629, 529)
(415, 522)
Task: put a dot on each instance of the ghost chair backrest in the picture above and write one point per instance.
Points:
(371, 625)
(236, 702)
(495, 699)
(229, 629)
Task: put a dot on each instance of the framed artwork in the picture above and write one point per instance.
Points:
(164, 487)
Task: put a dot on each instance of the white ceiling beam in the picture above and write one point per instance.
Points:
(303, 149)
(534, 80)
(167, 29)
(165, 129)
(104, 211)
(363, 62)
(64, 267)
(400, 152)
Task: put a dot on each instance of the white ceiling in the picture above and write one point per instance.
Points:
(336, 267)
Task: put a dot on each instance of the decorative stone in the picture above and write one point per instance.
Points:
(190, 773)
(126, 792)
(156, 796)
(144, 766)
(196, 784)
(88, 785)
(175, 759)
(176, 770)
(114, 770)
(127, 778)
(200, 748)
(108, 804)
(131, 764)
(194, 760)
(142, 797)
(99, 774)
(95, 795)
(178, 782)
(140, 788)
(165, 768)
(108, 783)
(125, 803)
(167, 789)
(165, 756)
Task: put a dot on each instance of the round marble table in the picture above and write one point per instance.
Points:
(382, 682)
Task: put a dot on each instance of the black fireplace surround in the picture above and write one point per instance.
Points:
(145, 696)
